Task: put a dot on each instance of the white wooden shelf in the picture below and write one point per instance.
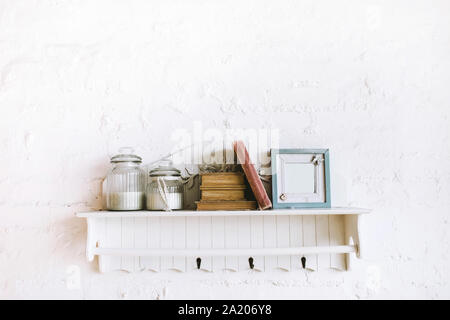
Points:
(185, 213)
(273, 239)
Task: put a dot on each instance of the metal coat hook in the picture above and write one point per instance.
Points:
(251, 263)
(304, 262)
(199, 263)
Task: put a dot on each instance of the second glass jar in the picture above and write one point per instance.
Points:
(165, 188)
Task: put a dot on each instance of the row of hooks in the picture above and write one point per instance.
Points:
(250, 262)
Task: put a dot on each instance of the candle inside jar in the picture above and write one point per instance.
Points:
(121, 201)
(156, 202)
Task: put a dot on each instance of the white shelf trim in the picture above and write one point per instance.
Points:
(223, 252)
(276, 212)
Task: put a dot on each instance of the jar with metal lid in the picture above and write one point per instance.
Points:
(125, 183)
(165, 188)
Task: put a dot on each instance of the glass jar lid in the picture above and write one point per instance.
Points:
(165, 168)
(126, 155)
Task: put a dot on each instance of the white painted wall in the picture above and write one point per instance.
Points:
(368, 79)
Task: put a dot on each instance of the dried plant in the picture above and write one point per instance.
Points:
(211, 168)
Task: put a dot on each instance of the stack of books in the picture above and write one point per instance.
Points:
(224, 191)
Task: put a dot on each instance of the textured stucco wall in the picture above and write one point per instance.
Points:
(368, 79)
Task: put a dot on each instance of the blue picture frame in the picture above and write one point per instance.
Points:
(293, 205)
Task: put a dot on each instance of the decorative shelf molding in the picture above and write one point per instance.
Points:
(224, 240)
(256, 213)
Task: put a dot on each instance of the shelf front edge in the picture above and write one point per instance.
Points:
(276, 212)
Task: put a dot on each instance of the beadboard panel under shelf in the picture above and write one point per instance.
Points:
(275, 239)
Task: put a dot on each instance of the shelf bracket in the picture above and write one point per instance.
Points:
(352, 235)
(91, 242)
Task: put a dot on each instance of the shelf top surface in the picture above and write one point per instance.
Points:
(255, 213)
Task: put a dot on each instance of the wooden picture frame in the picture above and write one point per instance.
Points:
(301, 178)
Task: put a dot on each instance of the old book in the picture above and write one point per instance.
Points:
(252, 176)
(221, 179)
(223, 193)
(226, 205)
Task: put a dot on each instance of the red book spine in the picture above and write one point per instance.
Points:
(252, 176)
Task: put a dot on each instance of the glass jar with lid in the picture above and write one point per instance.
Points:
(125, 183)
(165, 188)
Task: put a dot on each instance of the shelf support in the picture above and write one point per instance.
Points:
(352, 235)
(91, 242)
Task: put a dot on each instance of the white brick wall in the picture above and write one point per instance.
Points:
(367, 79)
